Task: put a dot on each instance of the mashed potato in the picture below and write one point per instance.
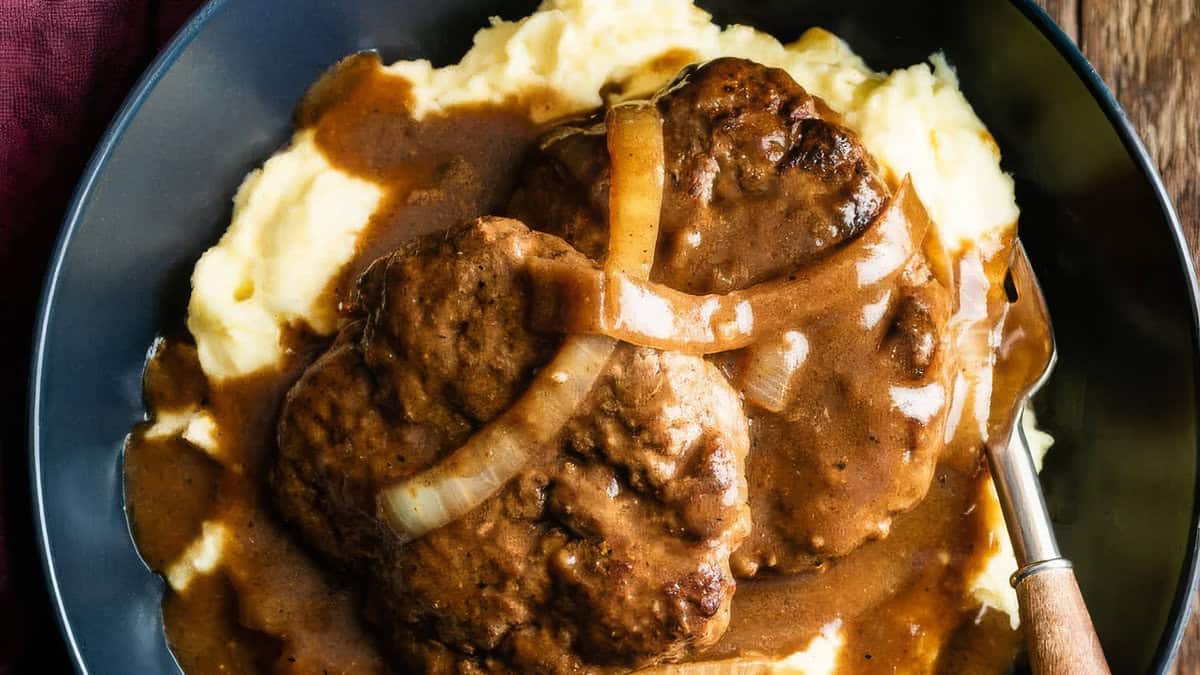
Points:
(295, 223)
(297, 219)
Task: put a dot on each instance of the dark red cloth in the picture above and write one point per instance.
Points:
(65, 66)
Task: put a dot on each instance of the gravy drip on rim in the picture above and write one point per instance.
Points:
(901, 601)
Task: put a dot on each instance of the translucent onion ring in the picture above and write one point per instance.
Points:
(494, 454)
(635, 194)
(770, 369)
(577, 299)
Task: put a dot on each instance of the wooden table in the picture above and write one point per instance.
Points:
(1148, 51)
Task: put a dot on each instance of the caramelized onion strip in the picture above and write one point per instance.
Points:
(770, 369)
(635, 149)
(493, 455)
(577, 299)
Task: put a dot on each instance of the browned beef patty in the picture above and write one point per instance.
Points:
(763, 179)
(609, 551)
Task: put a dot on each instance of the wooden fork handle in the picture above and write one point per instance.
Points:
(1059, 635)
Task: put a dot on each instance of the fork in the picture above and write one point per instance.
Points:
(1059, 635)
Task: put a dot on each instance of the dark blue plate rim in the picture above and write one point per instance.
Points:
(79, 202)
(1189, 579)
(1181, 610)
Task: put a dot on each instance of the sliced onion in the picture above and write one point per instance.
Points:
(771, 367)
(493, 455)
(579, 299)
(635, 149)
(971, 328)
(573, 298)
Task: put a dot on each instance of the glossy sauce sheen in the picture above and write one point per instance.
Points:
(272, 607)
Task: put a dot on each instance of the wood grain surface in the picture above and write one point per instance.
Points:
(1052, 609)
(1148, 51)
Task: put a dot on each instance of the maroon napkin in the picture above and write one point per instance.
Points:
(65, 66)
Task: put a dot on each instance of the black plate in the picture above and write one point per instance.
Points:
(1121, 480)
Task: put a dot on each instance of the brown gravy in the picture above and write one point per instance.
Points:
(271, 607)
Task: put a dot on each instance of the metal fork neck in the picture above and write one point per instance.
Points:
(1021, 500)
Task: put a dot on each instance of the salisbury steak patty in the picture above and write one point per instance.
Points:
(860, 437)
(610, 550)
(760, 177)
